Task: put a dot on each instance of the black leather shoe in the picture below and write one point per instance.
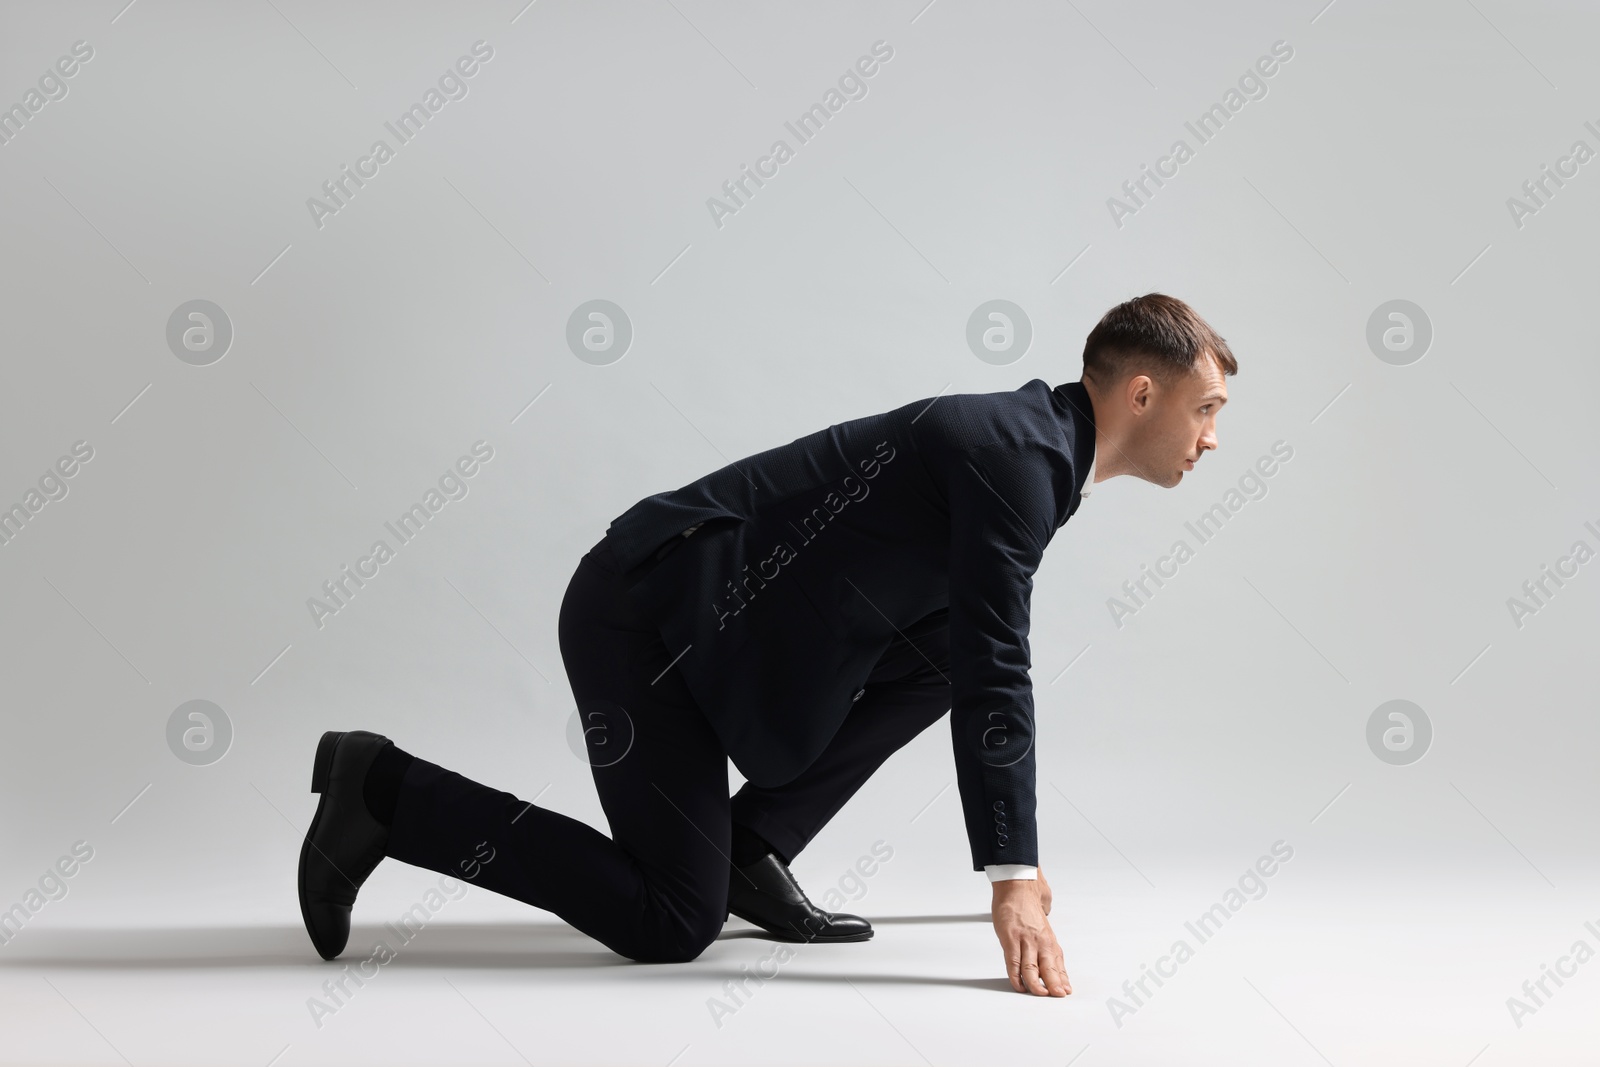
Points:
(344, 842)
(766, 894)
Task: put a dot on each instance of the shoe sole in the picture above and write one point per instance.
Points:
(321, 769)
(793, 938)
(322, 766)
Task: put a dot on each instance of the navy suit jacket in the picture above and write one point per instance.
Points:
(810, 557)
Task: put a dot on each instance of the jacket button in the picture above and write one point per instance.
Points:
(858, 696)
(999, 805)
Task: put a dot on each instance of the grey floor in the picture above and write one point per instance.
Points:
(1322, 968)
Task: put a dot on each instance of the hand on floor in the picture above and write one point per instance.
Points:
(1033, 956)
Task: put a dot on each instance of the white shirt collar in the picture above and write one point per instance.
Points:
(1088, 484)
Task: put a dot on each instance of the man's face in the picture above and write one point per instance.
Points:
(1179, 424)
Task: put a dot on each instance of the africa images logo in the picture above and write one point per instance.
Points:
(1252, 85)
(342, 188)
(820, 516)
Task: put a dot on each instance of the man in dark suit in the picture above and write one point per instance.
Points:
(805, 611)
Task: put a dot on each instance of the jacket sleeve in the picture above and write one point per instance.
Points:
(1002, 514)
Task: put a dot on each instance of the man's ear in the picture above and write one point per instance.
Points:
(1140, 393)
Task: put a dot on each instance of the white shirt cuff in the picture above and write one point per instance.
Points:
(1005, 872)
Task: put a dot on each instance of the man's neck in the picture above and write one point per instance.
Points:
(1101, 444)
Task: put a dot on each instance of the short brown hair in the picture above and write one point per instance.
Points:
(1153, 334)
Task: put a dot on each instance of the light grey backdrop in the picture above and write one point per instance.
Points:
(373, 346)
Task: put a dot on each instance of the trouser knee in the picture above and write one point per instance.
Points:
(685, 947)
(682, 930)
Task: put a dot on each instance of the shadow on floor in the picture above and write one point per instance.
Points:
(541, 946)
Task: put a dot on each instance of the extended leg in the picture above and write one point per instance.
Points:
(657, 889)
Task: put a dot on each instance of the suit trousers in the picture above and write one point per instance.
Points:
(656, 890)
